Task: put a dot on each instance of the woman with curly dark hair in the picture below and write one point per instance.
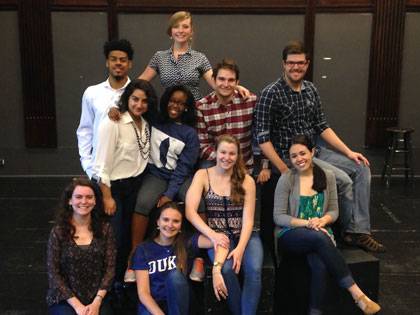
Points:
(80, 254)
(229, 193)
(122, 155)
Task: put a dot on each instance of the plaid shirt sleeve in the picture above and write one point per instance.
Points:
(320, 121)
(262, 121)
(207, 150)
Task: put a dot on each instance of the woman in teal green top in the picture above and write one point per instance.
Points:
(305, 205)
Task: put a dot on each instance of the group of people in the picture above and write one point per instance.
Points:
(140, 156)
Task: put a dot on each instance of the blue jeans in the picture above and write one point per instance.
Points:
(152, 188)
(124, 192)
(244, 301)
(322, 257)
(64, 308)
(177, 295)
(353, 183)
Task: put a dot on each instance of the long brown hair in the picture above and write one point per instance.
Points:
(320, 179)
(179, 243)
(237, 192)
(65, 212)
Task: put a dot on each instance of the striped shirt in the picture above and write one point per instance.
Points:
(215, 119)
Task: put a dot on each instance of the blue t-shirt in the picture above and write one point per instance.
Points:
(159, 260)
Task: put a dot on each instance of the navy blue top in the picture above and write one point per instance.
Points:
(159, 260)
(174, 152)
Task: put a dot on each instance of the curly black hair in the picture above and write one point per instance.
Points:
(119, 44)
(65, 211)
(188, 117)
(151, 114)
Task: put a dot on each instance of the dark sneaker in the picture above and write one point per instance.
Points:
(364, 241)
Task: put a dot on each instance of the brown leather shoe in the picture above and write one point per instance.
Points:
(364, 241)
(367, 305)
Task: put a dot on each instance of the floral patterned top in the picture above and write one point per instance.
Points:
(310, 207)
(79, 271)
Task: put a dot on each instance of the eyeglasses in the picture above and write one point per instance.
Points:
(296, 63)
(178, 103)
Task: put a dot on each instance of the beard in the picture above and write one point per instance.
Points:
(119, 77)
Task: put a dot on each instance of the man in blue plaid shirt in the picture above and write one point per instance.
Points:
(291, 106)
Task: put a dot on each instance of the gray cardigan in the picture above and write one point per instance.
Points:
(287, 196)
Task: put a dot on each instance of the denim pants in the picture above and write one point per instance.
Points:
(353, 181)
(64, 308)
(152, 188)
(244, 301)
(177, 295)
(322, 257)
(124, 192)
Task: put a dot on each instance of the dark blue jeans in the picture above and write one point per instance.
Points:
(64, 308)
(177, 295)
(244, 301)
(322, 257)
(124, 192)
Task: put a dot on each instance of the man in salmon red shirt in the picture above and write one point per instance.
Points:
(225, 111)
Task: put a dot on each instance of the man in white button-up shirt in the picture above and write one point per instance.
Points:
(97, 99)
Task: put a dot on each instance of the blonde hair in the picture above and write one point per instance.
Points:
(176, 18)
(237, 192)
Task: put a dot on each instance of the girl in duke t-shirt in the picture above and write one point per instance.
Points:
(161, 265)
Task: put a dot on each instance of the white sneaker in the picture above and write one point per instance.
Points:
(130, 276)
(197, 272)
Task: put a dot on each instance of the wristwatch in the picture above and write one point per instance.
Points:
(217, 264)
(96, 179)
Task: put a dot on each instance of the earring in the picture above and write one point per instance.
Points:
(157, 228)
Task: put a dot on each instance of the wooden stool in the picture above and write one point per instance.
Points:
(399, 144)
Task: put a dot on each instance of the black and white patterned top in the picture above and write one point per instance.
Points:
(187, 70)
(79, 271)
(222, 214)
(282, 113)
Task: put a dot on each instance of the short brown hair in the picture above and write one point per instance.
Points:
(295, 47)
(176, 18)
(226, 63)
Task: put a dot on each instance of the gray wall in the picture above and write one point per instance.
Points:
(343, 80)
(256, 47)
(410, 104)
(11, 118)
(255, 41)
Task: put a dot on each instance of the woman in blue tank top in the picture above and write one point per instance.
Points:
(229, 193)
